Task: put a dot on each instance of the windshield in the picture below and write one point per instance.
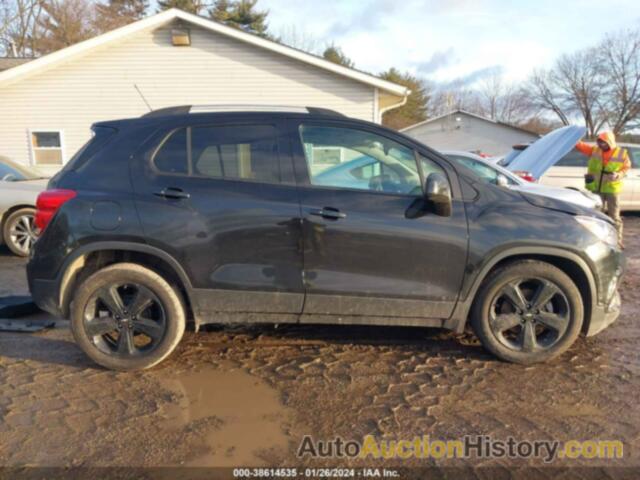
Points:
(13, 172)
(486, 171)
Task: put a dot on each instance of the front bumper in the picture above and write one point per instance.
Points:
(603, 316)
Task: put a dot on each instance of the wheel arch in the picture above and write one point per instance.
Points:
(570, 263)
(90, 258)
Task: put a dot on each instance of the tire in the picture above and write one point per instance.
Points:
(113, 336)
(535, 330)
(18, 231)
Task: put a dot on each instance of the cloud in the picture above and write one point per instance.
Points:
(475, 76)
(439, 60)
(369, 16)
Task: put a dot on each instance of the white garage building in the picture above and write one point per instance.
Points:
(173, 58)
(460, 130)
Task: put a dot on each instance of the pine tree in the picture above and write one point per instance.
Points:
(241, 14)
(336, 55)
(415, 110)
(190, 6)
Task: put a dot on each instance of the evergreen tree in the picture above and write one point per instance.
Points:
(415, 110)
(336, 55)
(190, 6)
(241, 14)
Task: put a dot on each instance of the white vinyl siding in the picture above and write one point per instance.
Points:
(459, 131)
(215, 69)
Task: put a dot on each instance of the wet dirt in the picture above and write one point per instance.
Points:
(247, 395)
(245, 412)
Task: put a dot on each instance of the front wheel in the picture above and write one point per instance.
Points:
(528, 312)
(127, 317)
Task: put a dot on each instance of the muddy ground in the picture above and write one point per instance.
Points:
(247, 396)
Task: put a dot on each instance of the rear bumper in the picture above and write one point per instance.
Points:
(603, 316)
(45, 295)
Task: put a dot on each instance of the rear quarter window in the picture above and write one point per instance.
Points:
(171, 157)
(101, 137)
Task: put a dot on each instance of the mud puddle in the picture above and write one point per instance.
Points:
(243, 415)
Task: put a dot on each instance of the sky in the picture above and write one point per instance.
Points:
(454, 40)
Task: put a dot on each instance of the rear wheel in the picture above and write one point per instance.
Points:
(528, 312)
(127, 317)
(19, 231)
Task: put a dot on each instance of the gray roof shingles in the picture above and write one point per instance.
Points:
(10, 62)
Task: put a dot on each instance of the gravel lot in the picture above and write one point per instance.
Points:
(247, 395)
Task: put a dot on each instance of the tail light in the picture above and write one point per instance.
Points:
(48, 204)
(525, 175)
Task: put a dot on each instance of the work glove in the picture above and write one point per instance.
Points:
(611, 177)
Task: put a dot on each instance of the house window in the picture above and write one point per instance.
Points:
(46, 147)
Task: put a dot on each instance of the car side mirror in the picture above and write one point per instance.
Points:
(502, 181)
(438, 193)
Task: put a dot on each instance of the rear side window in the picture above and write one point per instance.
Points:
(573, 159)
(247, 152)
(241, 152)
(171, 157)
(634, 156)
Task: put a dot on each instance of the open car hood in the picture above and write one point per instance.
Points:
(543, 154)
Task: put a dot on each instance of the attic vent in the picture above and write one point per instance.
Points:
(180, 37)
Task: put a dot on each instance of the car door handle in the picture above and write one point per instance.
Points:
(328, 212)
(173, 193)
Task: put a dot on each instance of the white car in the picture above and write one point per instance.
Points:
(567, 166)
(501, 176)
(570, 170)
(19, 189)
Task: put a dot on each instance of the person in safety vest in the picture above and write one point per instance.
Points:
(607, 167)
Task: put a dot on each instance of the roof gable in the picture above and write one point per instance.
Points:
(469, 114)
(167, 16)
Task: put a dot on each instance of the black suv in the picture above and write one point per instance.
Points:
(306, 216)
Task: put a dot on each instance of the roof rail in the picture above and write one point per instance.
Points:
(186, 109)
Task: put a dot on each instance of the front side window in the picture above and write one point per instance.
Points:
(359, 160)
(46, 147)
(233, 152)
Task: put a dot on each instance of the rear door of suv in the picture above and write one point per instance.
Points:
(370, 250)
(219, 195)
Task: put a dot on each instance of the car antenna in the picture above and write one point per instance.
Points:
(143, 99)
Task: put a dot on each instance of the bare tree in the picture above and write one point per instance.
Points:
(66, 22)
(577, 78)
(541, 95)
(619, 58)
(20, 29)
(502, 101)
(292, 36)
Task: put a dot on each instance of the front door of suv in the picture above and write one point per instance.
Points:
(222, 200)
(369, 250)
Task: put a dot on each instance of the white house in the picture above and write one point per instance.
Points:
(173, 58)
(460, 130)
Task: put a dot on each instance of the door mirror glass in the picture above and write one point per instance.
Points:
(438, 193)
